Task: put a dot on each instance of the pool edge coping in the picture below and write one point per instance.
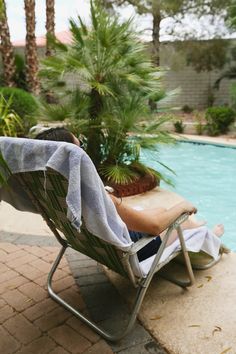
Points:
(198, 139)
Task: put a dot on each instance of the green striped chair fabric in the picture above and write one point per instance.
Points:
(48, 191)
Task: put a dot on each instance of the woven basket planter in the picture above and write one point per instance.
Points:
(143, 184)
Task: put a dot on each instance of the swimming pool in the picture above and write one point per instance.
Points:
(206, 176)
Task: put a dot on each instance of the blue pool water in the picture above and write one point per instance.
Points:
(206, 176)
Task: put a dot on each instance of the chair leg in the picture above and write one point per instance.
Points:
(207, 265)
(182, 283)
(108, 336)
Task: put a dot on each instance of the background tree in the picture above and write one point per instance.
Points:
(176, 10)
(50, 25)
(206, 56)
(31, 57)
(8, 59)
(230, 72)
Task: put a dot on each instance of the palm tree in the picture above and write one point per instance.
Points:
(50, 24)
(31, 57)
(113, 78)
(7, 51)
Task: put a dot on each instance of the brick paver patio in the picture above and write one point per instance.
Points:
(31, 322)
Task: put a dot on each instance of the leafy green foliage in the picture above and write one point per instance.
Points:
(187, 109)
(219, 119)
(233, 96)
(205, 55)
(231, 15)
(179, 126)
(10, 122)
(199, 125)
(20, 76)
(23, 104)
(111, 81)
(177, 10)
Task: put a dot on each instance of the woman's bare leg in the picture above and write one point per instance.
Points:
(190, 223)
(218, 230)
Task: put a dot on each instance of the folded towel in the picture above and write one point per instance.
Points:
(86, 195)
(198, 239)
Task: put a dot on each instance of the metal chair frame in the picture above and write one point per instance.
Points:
(140, 283)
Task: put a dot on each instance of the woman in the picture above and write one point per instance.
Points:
(140, 223)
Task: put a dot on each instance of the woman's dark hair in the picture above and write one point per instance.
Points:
(56, 134)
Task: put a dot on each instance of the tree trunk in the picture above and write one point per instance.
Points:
(94, 136)
(31, 57)
(8, 58)
(156, 37)
(50, 24)
(156, 13)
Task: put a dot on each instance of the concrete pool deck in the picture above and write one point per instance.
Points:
(200, 320)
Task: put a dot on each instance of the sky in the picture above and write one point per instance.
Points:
(65, 9)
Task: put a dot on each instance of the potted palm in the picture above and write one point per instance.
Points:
(103, 82)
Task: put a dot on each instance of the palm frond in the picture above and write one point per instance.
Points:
(102, 89)
(76, 32)
(119, 174)
(93, 15)
(83, 26)
(109, 78)
(55, 112)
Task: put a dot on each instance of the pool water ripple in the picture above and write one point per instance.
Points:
(206, 176)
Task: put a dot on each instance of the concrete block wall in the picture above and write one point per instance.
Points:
(193, 87)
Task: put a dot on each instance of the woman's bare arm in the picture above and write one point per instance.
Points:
(152, 221)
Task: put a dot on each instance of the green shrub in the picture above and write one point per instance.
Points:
(179, 126)
(24, 104)
(187, 109)
(199, 125)
(233, 95)
(219, 119)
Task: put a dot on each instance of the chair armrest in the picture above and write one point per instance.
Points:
(136, 246)
(145, 240)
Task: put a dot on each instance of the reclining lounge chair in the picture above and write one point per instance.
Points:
(64, 187)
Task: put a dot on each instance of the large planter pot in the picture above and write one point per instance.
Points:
(141, 185)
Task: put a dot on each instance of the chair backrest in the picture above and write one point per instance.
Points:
(48, 191)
